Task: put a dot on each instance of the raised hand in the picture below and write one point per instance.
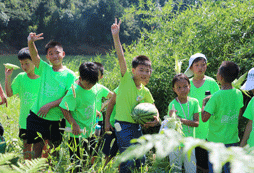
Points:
(33, 37)
(115, 28)
(8, 72)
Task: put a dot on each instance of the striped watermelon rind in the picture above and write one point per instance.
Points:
(143, 113)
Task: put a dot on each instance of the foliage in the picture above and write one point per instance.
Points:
(241, 159)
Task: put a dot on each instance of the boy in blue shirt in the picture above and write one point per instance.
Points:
(223, 110)
(45, 115)
(131, 92)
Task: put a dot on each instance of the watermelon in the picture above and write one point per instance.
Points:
(143, 113)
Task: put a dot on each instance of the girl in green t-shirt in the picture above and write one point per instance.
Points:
(187, 109)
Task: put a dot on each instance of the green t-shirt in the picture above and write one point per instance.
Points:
(101, 91)
(53, 87)
(82, 108)
(193, 108)
(199, 93)
(28, 90)
(224, 107)
(249, 113)
(113, 114)
(129, 96)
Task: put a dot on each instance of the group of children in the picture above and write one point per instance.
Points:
(51, 94)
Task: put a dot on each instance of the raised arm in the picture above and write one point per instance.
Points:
(105, 104)
(32, 48)
(8, 73)
(115, 28)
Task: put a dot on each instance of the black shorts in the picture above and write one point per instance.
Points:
(23, 134)
(109, 148)
(47, 130)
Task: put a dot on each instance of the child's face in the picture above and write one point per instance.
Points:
(55, 55)
(27, 65)
(142, 73)
(199, 68)
(85, 84)
(182, 88)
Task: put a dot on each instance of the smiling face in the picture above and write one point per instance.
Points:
(181, 88)
(199, 68)
(142, 74)
(27, 65)
(55, 55)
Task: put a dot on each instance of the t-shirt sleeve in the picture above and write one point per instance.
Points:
(215, 87)
(69, 101)
(240, 100)
(211, 105)
(104, 91)
(71, 80)
(15, 86)
(148, 97)
(249, 112)
(42, 67)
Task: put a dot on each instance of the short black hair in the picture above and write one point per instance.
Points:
(229, 71)
(198, 59)
(89, 71)
(179, 77)
(100, 67)
(24, 54)
(51, 44)
(141, 60)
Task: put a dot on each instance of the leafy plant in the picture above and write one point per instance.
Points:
(241, 160)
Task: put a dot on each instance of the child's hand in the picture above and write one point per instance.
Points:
(33, 37)
(153, 123)
(115, 28)
(108, 126)
(205, 100)
(8, 72)
(76, 129)
(44, 111)
(171, 112)
(98, 114)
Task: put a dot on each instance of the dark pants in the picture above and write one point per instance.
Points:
(128, 131)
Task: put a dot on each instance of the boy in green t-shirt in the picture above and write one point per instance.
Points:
(223, 109)
(102, 92)
(79, 110)
(45, 115)
(131, 92)
(200, 83)
(249, 112)
(26, 84)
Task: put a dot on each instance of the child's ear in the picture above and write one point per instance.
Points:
(63, 54)
(101, 76)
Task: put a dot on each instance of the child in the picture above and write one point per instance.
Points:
(187, 109)
(200, 83)
(26, 84)
(45, 115)
(131, 91)
(102, 92)
(223, 109)
(80, 111)
(249, 112)
(110, 152)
